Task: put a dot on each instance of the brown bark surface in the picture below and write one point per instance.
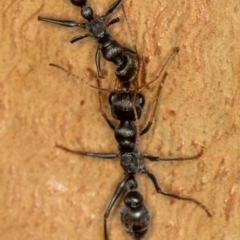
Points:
(49, 194)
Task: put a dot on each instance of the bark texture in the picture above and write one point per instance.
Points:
(47, 193)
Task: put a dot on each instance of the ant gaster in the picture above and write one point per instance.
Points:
(98, 29)
(126, 107)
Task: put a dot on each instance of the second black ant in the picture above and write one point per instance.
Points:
(126, 107)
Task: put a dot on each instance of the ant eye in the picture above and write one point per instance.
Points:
(111, 98)
(141, 99)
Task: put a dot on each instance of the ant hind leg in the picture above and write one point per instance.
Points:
(160, 191)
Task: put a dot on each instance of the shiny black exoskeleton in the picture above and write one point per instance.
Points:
(126, 107)
(98, 29)
(134, 214)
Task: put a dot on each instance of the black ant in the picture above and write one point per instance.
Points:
(126, 106)
(98, 30)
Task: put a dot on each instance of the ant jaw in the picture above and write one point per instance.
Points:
(79, 3)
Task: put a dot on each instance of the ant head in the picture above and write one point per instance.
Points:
(79, 3)
(122, 105)
(87, 13)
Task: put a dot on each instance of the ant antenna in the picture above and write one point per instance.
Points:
(130, 30)
(136, 117)
(139, 57)
(81, 79)
(175, 50)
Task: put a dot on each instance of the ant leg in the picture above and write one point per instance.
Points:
(174, 51)
(97, 60)
(154, 106)
(112, 8)
(115, 196)
(78, 38)
(113, 21)
(89, 154)
(110, 124)
(64, 23)
(159, 190)
(169, 159)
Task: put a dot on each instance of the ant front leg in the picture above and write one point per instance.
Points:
(159, 190)
(113, 7)
(78, 38)
(113, 21)
(65, 23)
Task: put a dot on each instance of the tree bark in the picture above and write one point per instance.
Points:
(47, 193)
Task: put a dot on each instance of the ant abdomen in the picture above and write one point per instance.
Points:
(135, 216)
